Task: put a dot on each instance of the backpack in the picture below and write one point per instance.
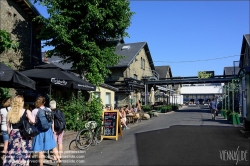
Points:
(59, 121)
(1, 116)
(45, 119)
(29, 130)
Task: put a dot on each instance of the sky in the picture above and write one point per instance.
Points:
(208, 33)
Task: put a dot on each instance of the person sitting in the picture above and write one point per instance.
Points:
(126, 109)
(123, 118)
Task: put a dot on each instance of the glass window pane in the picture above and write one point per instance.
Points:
(108, 98)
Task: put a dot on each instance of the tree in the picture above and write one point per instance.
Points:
(6, 43)
(78, 31)
(203, 74)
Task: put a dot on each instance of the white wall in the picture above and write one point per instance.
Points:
(201, 89)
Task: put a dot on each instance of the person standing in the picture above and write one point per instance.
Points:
(19, 147)
(213, 108)
(6, 103)
(44, 141)
(58, 126)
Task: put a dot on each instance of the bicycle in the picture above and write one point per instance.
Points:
(90, 135)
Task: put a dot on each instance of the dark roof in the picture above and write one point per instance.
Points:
(56, 60)
(247, 37)
(109, 87)
(245, 43)
(162, 71)
(230, 70)
(131, 53)
(28, 8)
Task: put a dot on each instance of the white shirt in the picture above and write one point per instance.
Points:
(4, 113)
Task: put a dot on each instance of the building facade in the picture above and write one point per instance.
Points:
(16, 17)
(107, 94)
(244, 75)
(129, 73)
(200, 93)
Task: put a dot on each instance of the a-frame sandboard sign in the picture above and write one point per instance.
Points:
(112, 124)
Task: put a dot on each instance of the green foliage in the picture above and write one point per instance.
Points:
(78, 112)
(146, 108)
(203, 74)
(150, 112)
(4, 92)
(164, 108)
(6, 43)
(79, 31)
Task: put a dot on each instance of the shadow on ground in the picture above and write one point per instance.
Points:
(194, 110)
(192, 145)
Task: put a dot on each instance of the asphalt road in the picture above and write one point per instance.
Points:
(185, 137)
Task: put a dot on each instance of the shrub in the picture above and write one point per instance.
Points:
(77, 111)
(146, 108)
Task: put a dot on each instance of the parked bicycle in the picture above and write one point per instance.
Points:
(90, 135)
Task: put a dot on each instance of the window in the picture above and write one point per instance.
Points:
(144, 64)
(135, 76)
(97, 94)
(141, 63)
(108, 98)
(126, 47)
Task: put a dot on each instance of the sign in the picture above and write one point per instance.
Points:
(112, 124)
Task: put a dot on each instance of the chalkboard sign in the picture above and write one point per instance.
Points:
(112, 124)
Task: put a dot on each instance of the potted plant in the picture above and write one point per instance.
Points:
(164, 109)
(150, 114)
(146, 108)
(235, 118)
(170, 108)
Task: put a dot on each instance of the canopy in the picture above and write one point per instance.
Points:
(51, 74)
(10, 78)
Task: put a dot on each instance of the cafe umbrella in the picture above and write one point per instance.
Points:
(152, 96)
(50, 74)
(10, 78)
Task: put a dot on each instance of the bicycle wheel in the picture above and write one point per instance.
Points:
(83, 139)
(99, 134)
(72, 145)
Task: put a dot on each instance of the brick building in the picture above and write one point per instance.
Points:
(16, 18)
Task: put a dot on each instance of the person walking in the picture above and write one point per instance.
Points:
(213, 109)
(6, 103)
(44, 141)
(19, 147)
(58, 127)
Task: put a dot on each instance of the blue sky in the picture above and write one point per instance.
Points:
(179, 31)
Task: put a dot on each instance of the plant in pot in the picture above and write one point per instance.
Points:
(150, 114)
(170, 108)
(164, 109)
(235, 118)
(146, 108)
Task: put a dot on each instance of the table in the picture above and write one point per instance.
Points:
(130, 118)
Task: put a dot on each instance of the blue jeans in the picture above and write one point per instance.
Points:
(5, 136)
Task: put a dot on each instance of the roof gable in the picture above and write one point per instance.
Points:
(245, 43)
(162, 71)
(130, 51)
(57, 61)
(28, 7)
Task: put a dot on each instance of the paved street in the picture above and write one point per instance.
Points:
(185, 137)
